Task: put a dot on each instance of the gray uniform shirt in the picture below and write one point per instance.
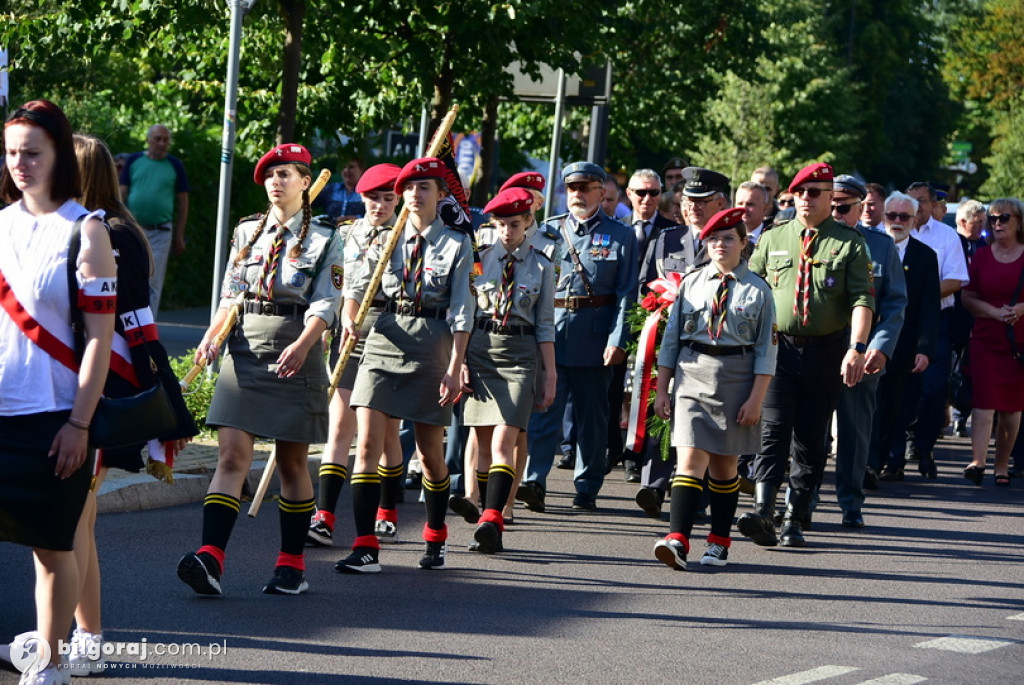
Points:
(357, 237)
(533, 295)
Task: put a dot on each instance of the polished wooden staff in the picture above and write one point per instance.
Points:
(436, 143)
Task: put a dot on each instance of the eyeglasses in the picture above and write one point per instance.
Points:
(809, 192)
(726, 240)
(644, 192)
(843, 210)
(786, 202)
(902, 216)
(994, 219)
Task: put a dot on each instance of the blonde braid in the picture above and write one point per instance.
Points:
(307, 216)
(244, 252)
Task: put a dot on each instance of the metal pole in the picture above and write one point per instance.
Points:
(421, 146)
(239, 8)
(556, 143)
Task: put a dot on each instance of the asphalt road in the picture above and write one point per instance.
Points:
(930, 591)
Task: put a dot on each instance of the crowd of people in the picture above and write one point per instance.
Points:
(771, 311)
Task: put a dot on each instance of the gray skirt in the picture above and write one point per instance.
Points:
(348, 375)
(502, 372)
(403, 363)
(709, 392)
(249, 395)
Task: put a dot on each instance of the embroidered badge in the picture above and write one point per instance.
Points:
(337, 276)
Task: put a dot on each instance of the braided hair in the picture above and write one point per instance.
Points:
(307, 216)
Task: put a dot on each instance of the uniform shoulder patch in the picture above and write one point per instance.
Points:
(550, 232)
(337, 276)
(252, 217)
(325, 222)
(542, 253)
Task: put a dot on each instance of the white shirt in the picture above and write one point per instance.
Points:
(946, 243)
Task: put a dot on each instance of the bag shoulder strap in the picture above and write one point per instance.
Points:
(77, 320)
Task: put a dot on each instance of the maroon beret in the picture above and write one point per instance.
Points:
(817, 172)
(288, 153)
(510, 202)
(727, 218)
(526, 179)
(379, 177)
(425, 167)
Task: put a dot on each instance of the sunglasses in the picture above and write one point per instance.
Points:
(582, 187)
(644, 192)
(809, 192)
(902, 216)
(994, 219)
(843, 210)
(786, 203)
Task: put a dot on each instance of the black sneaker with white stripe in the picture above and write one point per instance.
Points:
(287, 580)
(433, 557)
(201, 572)
(362, 560)
(715, 555)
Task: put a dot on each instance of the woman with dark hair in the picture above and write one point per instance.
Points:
(287, 268)
(412, 360)
(996, 273)
(48, 396)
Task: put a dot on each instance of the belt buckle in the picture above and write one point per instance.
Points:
(404, 309)
(570, 303)
(502, 329)
(267, 308)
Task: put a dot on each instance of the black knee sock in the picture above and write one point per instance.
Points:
(332, 478)
(365, 497)
(390, 481)
(435, 497)
(725, 495)
(220, 512)
(481, 485)
(686, 494)
(294, 517)
(499, 483)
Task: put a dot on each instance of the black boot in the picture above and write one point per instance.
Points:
(792, 534)
(759, 525)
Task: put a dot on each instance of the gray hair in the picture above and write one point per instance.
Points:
(645, 175)
(754, 185)
(968, 210)
(897, 196)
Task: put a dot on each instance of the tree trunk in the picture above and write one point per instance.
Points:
(443, 85)
(294, 12)
(484, 186)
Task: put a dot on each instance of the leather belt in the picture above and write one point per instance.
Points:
(492, 326)
(409, 309)
(718, 350)
(805, 340)
(267, 308)
(584, 301)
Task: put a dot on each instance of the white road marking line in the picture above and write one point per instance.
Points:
(811, 676)
(964, 645)
(895, 679)
(1016, 617)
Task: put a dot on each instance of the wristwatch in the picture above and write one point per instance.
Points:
(860, 347)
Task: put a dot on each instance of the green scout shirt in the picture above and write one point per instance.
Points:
(841, 275)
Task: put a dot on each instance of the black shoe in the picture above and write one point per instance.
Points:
(464, 508)
(532, 494)
(926, 467)
(870, 479)
(960, 429)
(891, 474)
(911, 453)
(201, 572)
(584, 502)
(487, 537)
(287, 580)
(320, 533)
(433, 556)
(632, 472)
(567, 462)
(759, 528)
(975, 474)
(671, 552)
(852, 519)
(650, 500)
(792, 534)
(610, 462)
(362, 560)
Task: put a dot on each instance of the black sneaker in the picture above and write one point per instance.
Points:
(287, 580)
(433, 557)
(715, 555)
(362, 560)
(464, 508)
(488, 539)
(201, 572)
(671, 553)
(319, 533)
(386, 531)
(532, 494)
(584, 502)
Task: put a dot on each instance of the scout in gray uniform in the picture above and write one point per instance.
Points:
(377, 188)
(514, 320)
(273, 382)
(412, 356)
(596, 285)
(719, 346)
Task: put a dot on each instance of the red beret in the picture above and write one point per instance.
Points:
(289, 153)
(425, 167)
(819, 171)
(525, 179)
(379, 177)
(727, 218)
(510, 202)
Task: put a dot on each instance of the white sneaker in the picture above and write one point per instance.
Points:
(86, 655)
(23, 647)
(386, 531)
(51, 675)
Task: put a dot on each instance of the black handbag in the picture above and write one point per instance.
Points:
(961, 390)
(119, 421)
(1017, 352)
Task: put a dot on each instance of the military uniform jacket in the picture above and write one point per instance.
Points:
(749, 317)
(314, 278)
(890, 290)
(356, 239)
(607, 252)
(447, 266)
(533, 298)
(840, 275)
(672, 252)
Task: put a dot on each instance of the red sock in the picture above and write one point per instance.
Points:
(681, 538)
(215, 552)
(294, 560)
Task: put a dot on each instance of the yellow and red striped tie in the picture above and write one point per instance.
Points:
(414, 271)
(802, 297)
(272, 262)
(717, 319)
(507, 286)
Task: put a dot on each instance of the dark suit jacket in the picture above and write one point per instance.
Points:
(921, 319)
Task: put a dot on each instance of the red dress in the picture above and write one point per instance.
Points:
(998, 379)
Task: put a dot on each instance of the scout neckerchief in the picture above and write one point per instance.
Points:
(414, 271)
(271, 263)
(507, 284)
(802, 299)
(717, 319)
